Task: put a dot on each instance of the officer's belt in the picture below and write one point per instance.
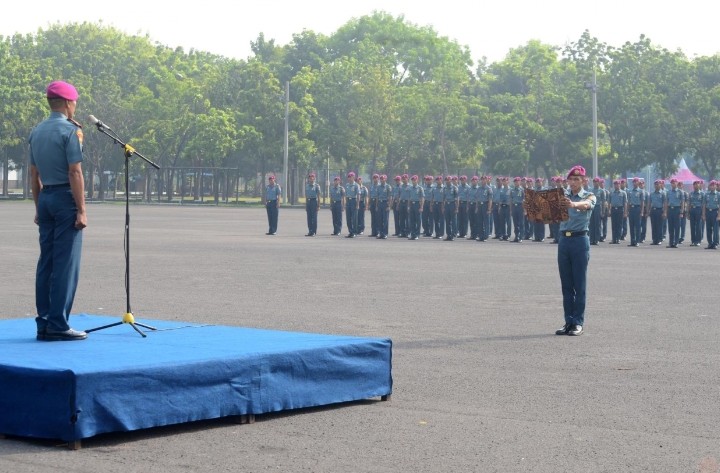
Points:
(56, 186)
(573, 234)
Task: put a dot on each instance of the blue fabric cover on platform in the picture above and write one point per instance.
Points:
(118, 381)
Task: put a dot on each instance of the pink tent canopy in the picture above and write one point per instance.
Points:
(684, 174)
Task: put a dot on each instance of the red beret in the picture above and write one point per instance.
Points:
(61, 90)
(576, 171)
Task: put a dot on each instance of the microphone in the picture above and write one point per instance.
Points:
(98, 123)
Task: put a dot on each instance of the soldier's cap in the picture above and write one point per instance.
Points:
(463, 177)
(577, 171)
(517, 179)
(596, 179)
(351, 174)
(405, 176)
(428, 178)
(505, 178)
(397, 178)
(383, 176)
(539, 179)
(61, 90)
(376, 176)
(623, 181)
(312, 174)
(439, 178)
(454, 178)
(271, 178)
(712, 182)
(448, 178)
(474, 178)
(336, 178)
(414, 177)
(616, 181)
(636, 179)
(530, 179)
(523, 178)
(673, 180)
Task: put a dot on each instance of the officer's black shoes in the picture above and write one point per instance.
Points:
(436, 237)
(449, 239)
(383, 237)
(575, 330)
(66, 336)
(350, 235)
(564, 330)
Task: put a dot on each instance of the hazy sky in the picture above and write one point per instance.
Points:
(488, 28)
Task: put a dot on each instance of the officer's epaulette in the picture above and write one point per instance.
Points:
(74, 122)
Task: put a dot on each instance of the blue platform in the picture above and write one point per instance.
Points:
(118, 381)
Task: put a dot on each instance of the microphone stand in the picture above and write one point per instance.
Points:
(128, 150)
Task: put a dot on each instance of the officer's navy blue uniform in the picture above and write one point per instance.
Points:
(427, 210)
(336, 202)
(272, 196)
(674, 209)
(312, 204)
(695, 202)
(710, 211)
(55, 144)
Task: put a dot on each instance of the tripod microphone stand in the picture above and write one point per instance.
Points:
(128, 151)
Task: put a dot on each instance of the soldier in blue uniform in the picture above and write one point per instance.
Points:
(645, 212)
(416, 200)
(710, 215)
(472, 207)
(463, 219)
(58, 189)
(485, 209)
(437, 203)
(374, 214)
(450, 208)
(605, 214)
(695, 203)
(657, 208)
(384, 196)
(404, 197)
(623, 187)
(496, 208)
(352, 204)
(427, 211)
(636, 208)
(312, 204)
(673, 212)
(683, 213)
(337, 205)
(618, 211)
(363, 203)
(574, 251)
(273, 196)
(502, 200)
(529, 225)
(517, 196)
(395, 205)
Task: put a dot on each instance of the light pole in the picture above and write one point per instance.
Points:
(592, 86)
(285, 149)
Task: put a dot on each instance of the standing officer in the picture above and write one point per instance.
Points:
(337, 205)
(496, 208)
(485, 209)
(597, 209)
(517, 196)
(502, 199)
(403, 207)
(473, 215)
(710, 214)
(673, 212)
(539, 227)
(574, 251)
(605, 210)
(463, 219)
(636, 204)
(450, 208)
(695, 202)
(683, 212)
(273, 196)
(363, 203)
(657, 208)
(384, 196)
(623, 187)
(415, 203)
(395, 205)
(618, 211)
(529, 225)
(352, 204)
(312, 204)
(58, 189)
(645, 212)
(427, 211)
(374, 215)
(438, 207)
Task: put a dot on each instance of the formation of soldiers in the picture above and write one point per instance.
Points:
(450, 207)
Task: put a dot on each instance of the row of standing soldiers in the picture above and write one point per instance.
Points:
(452, 208)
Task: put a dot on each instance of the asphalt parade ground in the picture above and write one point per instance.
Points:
(481, 383)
